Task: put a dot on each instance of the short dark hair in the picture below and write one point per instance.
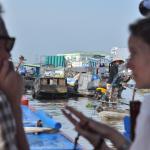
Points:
(141, 29)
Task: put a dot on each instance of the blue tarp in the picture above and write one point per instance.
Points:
(45, 141)
(51, 141)
(30, 118)
(22, 70)
(95, 77)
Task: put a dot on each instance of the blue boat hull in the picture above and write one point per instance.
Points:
(56, 140)
(44, 141)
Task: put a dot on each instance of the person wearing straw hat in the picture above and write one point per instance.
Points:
(12, 136)
(113, 69)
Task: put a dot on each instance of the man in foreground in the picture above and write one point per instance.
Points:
(12, 136)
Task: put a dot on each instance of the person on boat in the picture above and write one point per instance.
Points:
(139, 62)
(114, 69)
(39, 123)
(12, 136)
(21, 61)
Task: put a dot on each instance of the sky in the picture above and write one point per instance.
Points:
(49, 27)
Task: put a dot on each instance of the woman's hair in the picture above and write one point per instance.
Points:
(141, 29)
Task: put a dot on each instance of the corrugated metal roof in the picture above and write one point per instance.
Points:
(56, 61)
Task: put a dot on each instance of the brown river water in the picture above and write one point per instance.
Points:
(53, 108)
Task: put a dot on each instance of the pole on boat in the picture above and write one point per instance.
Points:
(133, 96)
(134, 111)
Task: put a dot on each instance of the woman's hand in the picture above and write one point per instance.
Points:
(95, 132)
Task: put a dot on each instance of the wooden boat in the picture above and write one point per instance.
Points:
(47, 134)
(28, 82)
(50, 86)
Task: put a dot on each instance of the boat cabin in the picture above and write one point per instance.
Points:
(50, 86)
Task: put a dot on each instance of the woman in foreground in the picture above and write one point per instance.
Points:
(139, 62)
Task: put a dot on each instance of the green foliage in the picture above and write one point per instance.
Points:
(89, 105)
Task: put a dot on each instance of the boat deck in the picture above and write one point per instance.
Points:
(52, 141)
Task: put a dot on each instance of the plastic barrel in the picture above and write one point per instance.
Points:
(24, 101)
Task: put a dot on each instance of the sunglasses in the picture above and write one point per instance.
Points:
(9, 42)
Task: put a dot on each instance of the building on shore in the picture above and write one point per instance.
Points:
(119, 53)
(81, 59)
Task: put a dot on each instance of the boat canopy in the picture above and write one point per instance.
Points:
(55, 61)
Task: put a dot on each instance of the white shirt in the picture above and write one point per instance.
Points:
(142, 137)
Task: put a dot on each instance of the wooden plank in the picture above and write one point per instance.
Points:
(37, 129)
(108, 102)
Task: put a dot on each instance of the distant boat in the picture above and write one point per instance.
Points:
(113, 115)
(51, 87)
(29, 73)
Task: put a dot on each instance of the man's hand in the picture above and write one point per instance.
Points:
(12, 85)
(10, 82)
(95, 132)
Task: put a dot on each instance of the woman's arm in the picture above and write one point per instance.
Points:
(95, 131)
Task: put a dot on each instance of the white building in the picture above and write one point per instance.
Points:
(120, 53)
(80, 59)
